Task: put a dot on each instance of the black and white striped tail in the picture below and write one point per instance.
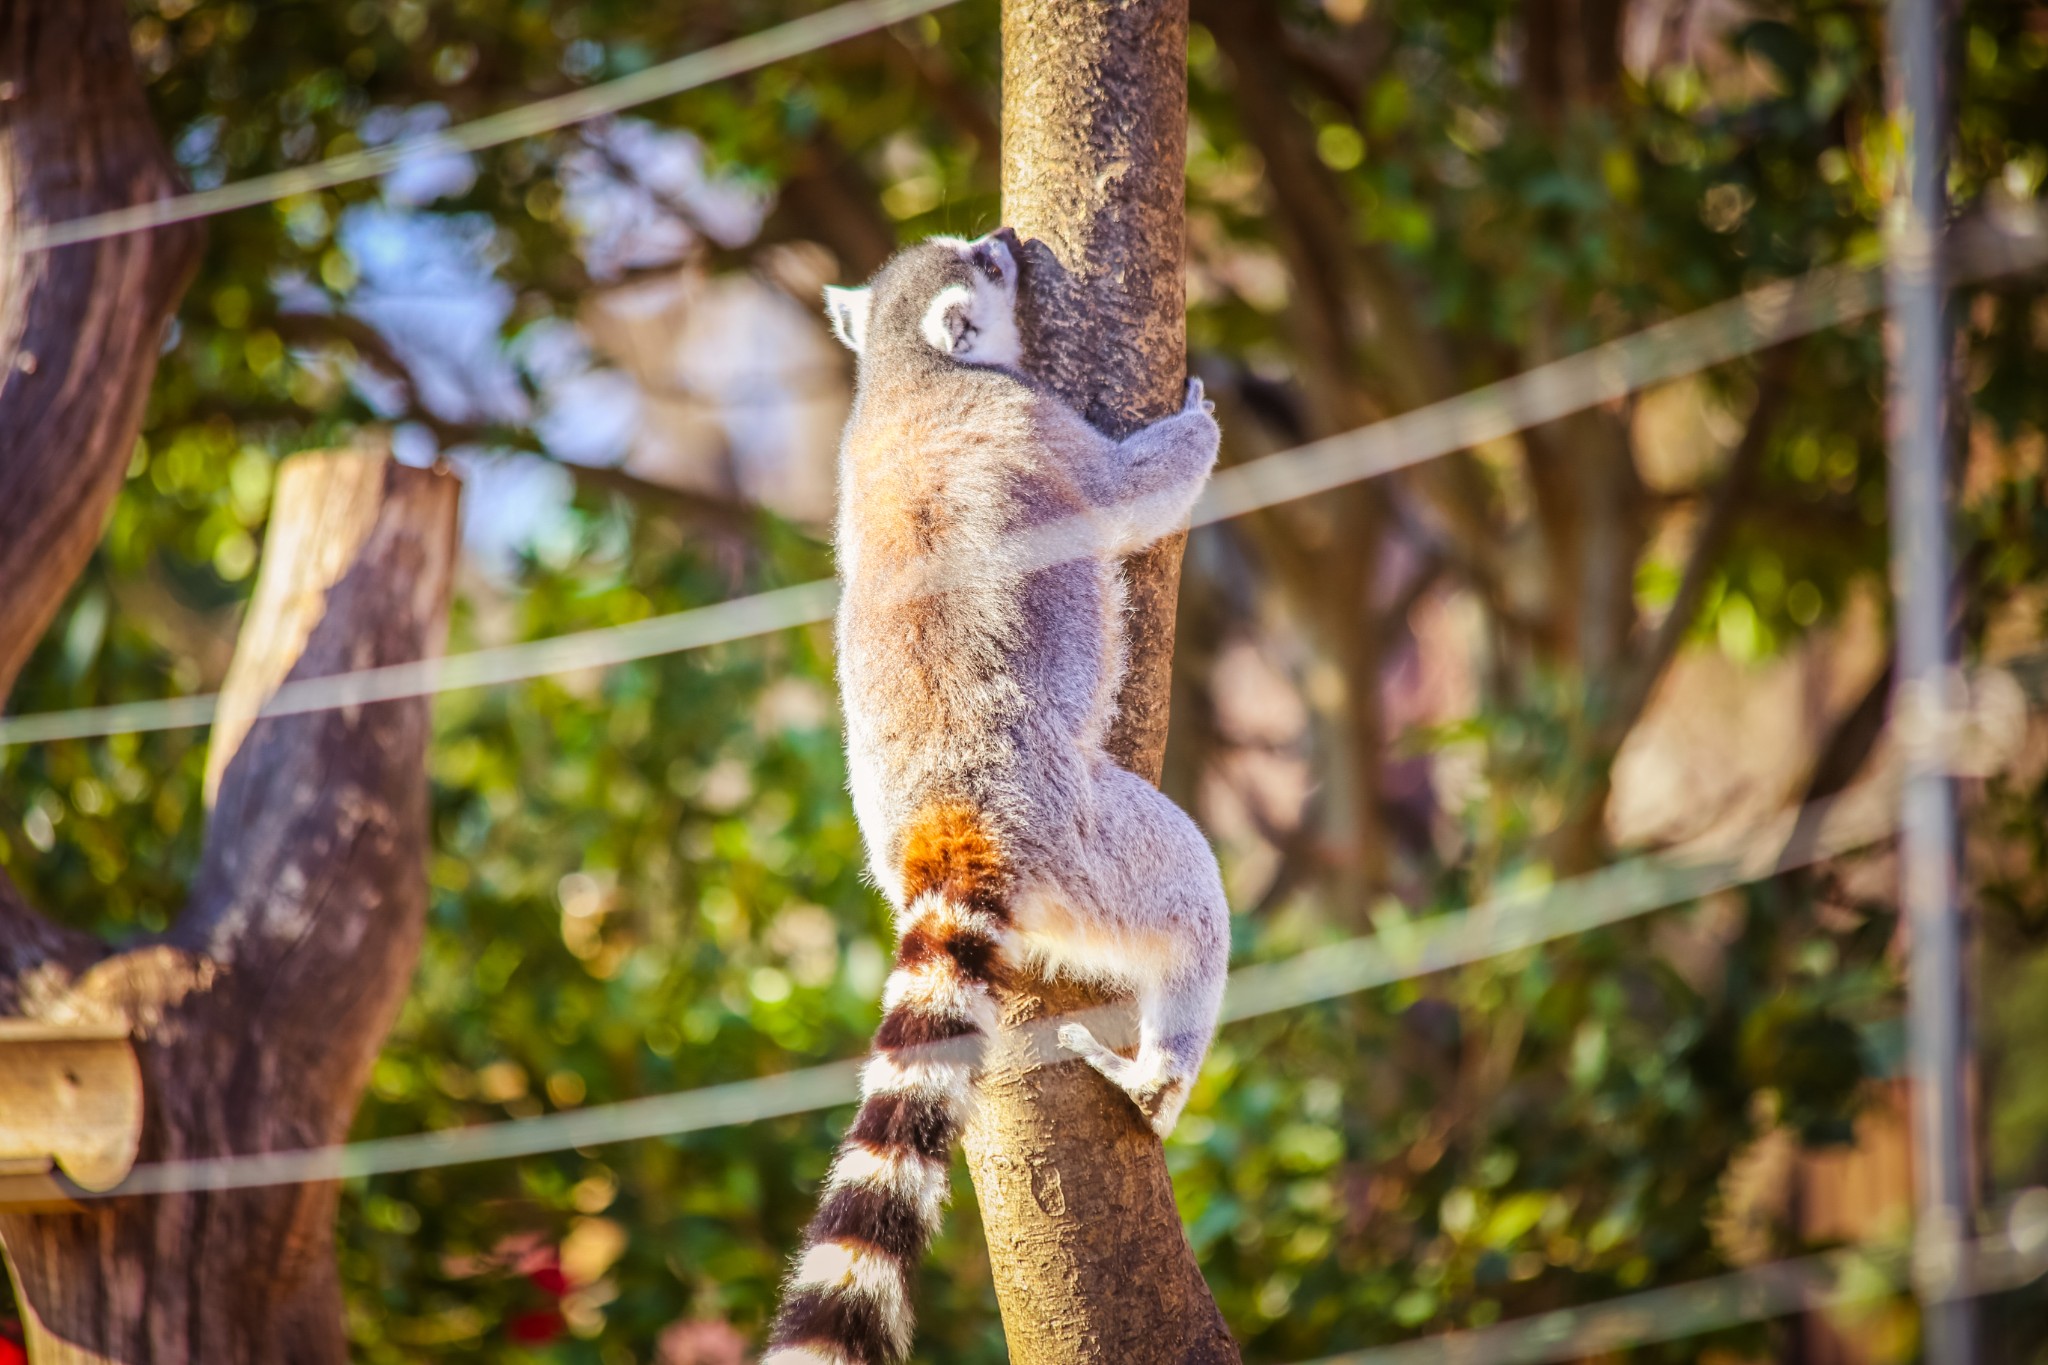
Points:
(848, 1299)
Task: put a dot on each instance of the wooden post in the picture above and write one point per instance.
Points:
(257, 1019)
(70, 1109)
(1091, 1262)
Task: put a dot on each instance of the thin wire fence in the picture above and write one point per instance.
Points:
(1756, 320)
(1518, 919)
(742, 618)
(793, 39)
(1856, 819)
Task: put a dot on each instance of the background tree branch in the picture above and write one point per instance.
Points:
(80, 325)
(79, 329)
(1624, 697)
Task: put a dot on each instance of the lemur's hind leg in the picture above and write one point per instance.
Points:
(1174, 1028)
(1158, 893)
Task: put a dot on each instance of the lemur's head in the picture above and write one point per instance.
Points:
(955, 298)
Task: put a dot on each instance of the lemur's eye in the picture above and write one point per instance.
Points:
(989, 266)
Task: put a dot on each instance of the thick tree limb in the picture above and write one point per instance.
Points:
(79, 326)
(257, 1017)
(1091, 1264)
(38, 959)
(79, 331)
(1094, 145)
(1588, 495)
(1571, 52)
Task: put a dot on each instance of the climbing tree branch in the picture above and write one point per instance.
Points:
(1091, 1264)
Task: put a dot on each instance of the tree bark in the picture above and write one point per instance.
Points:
(1094, 156)
(256, 1018)
(79, 326)
(79, 329)
(1091, 1263)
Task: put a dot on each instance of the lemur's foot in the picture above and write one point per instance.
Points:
(1160, 1097)
(1076, 1039)
(1197, 400)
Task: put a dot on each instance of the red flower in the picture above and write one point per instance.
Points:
(548, 1279)
(11, 1353)
(536, 1328)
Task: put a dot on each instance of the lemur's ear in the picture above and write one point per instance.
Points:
(848, 310)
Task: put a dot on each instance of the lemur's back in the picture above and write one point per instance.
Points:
(962, 659)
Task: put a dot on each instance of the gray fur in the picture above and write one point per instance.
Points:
(981, 643)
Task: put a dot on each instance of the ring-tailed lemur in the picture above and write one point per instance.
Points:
(981, 644)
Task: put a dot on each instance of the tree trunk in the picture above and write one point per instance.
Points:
(256, 1018)
(78, 344)
(79, 326)
(1091, 1262)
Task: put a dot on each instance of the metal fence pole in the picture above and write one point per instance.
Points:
(1929, 684)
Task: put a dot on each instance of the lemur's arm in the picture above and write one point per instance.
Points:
(1147, 483)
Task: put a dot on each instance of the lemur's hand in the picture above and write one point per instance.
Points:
(1197, 400)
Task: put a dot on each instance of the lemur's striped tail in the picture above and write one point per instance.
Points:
(847, 1302)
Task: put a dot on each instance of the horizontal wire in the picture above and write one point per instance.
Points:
(1755, 320)
(1855, 819)
(1399, 950)
(1752, 321)
(742, 618)
(756, 50)
(1835, 1279)
(673, 1115)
